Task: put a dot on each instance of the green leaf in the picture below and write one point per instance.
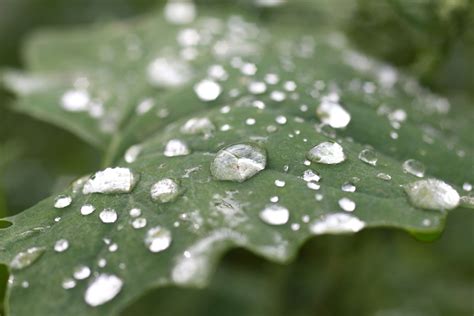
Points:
(108, 65)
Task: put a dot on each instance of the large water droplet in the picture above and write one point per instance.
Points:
(330, 112)
(432, 194)
(111, 180)
(275, 214)
(368, 156)
(207, 90)
(108, 216)
(176, 147)
(61, 245)
(168, 72)
(26, 258)
(337, 223)
(62, 201)
(165, 190)
(414, 167)
(158, 239)
(238, 162)
(327, 153)
(103, 289)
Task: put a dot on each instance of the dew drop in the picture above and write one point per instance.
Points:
(157, 239)
(238, 162)
(384, 176)
(75, 101)
(432, 194)
(336, 223)
(61, 245)
(176, 147)
(198, 125)
(327, 153)
(139, 223)
(132, 153)
(207, 90)
(467, 187)
(108, 216)
(87, 209)
(368, 156)
(81, 272)
(26, 258)
(348, 187)
(330, 112)
(111, 180)
(165, 190)
(62, 201)
(275, 214)
(68, 283)
(135, 212)
(347, 204)
(280, 183)
(278, 96)
(310, 175)
(103, 289)
(257, 87)
(168, 72)
(414, 167)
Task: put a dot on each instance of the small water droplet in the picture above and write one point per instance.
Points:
(432, 194)
(62, 201)
(87, 209)
(238, 162)
(278, 96)
(280, 119)
(198, 125)
(68, 283)
(207, 90)
(111, 180)
(414, 167)
(135, 212)
(180, 12)
(75, 101)
(103, 289)
(165, 190)
(26, 258)
(274, 199)
(384, 176)
(280, 183)
(61, 245)
(81, 272)
(250, 121)
(336, 223)
(330, 112)
(176, 147)
(108, 216)
(158, 239)
(257, 87)
(132, 153)
(275, 214)
(348, 187)
(368, 156)
(327, 153)
(168, 72)
(139, 223)
(347, 204)
(310, 175)
(467, 187)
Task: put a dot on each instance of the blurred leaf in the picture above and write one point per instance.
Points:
(105, 68)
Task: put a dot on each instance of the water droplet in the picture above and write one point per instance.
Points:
(250, 121)
(280, 119)
(414, 167)
(310, 175)
(347, 204)
(207, 90)
(108, 216)
(327, 153)
(26, 258)
(139, 223)
(467, 201)
(87, 209)
(75, 101)
(368, 156)
(467, 187)
(111, 180)
(330, 112)
(198, 125)
(274, 199)
(238, 162)
(278, 96)
(280, 183)
(81, 272)
(348, 187)
(135, 212)
(103, 289)
(275, 214)
(176, 147)
(336, 223)
(62, 201)
(313, 185)
(157, 239)
(384, 176)
(257, 87)
(165, 190)
(68, 283)
(132, 153)
(61, 245)
(168, 72)
(432, 194)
